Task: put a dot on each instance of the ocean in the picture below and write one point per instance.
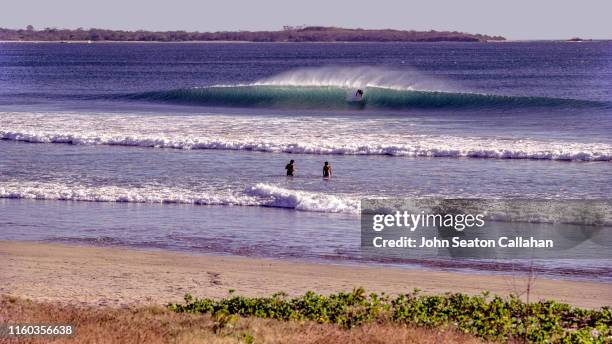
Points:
(183, 146)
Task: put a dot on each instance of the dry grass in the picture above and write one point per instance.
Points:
(158, 325)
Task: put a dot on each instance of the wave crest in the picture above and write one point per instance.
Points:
(348, 136)
(339, 98)
(302, 200)
(352, 77)
(423, 147)
(263, 195)
(334, 87)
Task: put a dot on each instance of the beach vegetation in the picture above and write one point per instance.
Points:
(489, 317)
(153, 324)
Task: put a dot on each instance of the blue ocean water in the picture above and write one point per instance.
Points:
(183, 146)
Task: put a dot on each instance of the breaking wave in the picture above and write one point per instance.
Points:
(263, 195)
(433, 147)
(338, 98)
(335, 87)
(278, 197)
(349, 136)
(577, 212)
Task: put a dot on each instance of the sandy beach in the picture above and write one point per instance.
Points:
(119, 276)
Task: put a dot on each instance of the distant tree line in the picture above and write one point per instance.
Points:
(288, 34)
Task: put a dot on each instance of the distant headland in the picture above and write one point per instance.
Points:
(287, 34)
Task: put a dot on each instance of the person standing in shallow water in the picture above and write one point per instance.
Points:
(327, 170)
(290, 168)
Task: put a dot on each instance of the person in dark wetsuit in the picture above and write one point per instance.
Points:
(359, 94)
(290, 168)
(327, 170)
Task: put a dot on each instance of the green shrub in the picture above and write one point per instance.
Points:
(492, 318)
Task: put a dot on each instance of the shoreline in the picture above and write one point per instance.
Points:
(238, 42)
(319, 42)
(86, 275)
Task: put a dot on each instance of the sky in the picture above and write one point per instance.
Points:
(516, 19)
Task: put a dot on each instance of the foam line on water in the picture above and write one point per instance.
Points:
(274, 196)
(288, 135)
(279, 197)
(261, 194)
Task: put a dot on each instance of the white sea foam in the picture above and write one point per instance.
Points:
(259, 195)
(146, 194)
(267, 195)
(356, 77)
(306, 135)
(275, 196)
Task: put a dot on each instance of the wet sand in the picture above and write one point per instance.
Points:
(121, 276)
